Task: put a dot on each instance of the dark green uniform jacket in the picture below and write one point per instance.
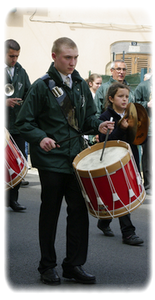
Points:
(143, 94)
(21, 85)
(100, 95)
(41, 117)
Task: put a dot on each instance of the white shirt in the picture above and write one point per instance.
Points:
(122, 115)
(10, 70)
(93, 94)
(64, 78)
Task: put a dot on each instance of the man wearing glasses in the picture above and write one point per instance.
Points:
(118, 71)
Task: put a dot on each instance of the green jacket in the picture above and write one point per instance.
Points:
(143, 94)
(41, 116)
(100, 95)
(21, 85)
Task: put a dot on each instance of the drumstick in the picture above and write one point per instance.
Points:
(111, 119)
(75, 136)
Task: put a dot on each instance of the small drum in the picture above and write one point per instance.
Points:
(15, 163)
(111, 187)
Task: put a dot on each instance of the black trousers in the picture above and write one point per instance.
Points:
(126, 225)
(54, 187)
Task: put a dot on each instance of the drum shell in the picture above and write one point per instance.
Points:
(15, 163)
(101, 181)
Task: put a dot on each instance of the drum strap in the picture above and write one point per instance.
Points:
(63, 100)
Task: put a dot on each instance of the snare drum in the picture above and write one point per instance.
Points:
(15, 163)
(111, 187)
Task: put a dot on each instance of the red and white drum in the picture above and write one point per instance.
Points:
(111, 187)
(15, 163)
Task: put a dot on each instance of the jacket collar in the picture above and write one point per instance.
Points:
(7, 77)
(113, 80)
(55, 75)
(114, 114)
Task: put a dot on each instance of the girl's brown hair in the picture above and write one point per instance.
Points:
(92, 78)
(112, 91)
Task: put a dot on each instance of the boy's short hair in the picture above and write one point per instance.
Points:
(62, 41)
(11, 44)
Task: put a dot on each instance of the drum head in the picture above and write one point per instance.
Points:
(110, 159)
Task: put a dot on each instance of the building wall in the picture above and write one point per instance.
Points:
(94, 31)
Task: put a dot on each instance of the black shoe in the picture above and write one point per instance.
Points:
(24, 182)
(106, 230)
(133, 240)
(79, 275)
(50, 277)
(16, 206)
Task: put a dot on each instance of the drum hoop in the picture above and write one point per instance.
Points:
(102, 171)
(13, 182)
(120, 211)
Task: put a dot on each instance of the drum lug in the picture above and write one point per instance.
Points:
(86, 198)
(115, 197)
(99, 201)
(11, 171)
(131, 193)
(18, 161)
(138, 179)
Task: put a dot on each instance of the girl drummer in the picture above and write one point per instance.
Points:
(116, 103)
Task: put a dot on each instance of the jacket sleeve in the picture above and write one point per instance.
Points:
(26, 119)
(141, 96)
(99, 100)
(27, 84)
(131, 96)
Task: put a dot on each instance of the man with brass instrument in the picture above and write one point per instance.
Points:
(144, 95)
(17, 84)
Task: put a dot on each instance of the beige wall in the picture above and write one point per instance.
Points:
(93, 30)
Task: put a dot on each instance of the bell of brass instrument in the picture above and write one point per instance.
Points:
(150, 98)
(9, 89)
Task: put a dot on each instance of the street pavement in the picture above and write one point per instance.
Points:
(117, 266)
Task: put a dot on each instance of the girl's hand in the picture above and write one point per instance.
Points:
(124, 124)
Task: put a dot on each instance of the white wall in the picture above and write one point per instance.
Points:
(95, 31)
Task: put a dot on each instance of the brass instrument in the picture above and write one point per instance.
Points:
(9, 89)
(150, 98)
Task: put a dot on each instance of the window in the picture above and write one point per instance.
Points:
(136, 61)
